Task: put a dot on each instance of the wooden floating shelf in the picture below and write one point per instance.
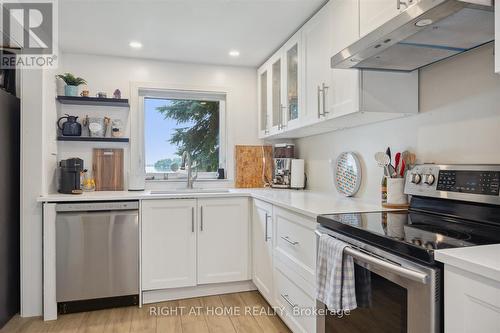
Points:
(93, 101)
(90, 139)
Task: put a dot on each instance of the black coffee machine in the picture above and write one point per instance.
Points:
(69, 176)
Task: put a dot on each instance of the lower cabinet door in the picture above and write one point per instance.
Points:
(297, 306)
(223, 240)
(168, 243)
(262, 248)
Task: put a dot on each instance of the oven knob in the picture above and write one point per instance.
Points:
(416, 178)
(429, 179)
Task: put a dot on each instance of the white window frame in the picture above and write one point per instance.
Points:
(152, 90)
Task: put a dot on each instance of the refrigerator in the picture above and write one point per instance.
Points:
(10, 206)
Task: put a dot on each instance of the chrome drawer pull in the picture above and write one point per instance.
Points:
(286, 238)
(192, 219)
(285, 297)
(266, 236)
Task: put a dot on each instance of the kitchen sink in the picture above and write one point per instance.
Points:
(190, 190)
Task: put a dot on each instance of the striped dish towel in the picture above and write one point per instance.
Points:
(335, 275)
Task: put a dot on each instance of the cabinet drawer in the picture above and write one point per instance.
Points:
(295, 242)
(298, 307)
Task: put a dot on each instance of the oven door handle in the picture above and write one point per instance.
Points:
(390, 267)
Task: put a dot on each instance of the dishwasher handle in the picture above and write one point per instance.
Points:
(97, 206)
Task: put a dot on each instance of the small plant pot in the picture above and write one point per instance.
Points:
(395, 191)
(71, 90)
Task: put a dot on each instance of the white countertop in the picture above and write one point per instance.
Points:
(481, 260)
(308, 203)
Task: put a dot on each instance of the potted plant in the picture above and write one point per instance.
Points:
(72, 83)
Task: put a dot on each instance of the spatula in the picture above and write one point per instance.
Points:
(383, 162)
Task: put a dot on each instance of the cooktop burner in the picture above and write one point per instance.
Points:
(412, 234)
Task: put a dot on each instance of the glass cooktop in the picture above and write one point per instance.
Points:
(412, 234)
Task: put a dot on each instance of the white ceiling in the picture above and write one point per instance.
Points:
(199, 31)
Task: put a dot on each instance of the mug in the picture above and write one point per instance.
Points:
(85, 93)
(101, 94)
(395, 191)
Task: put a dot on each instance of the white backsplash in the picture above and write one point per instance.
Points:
(459, 122)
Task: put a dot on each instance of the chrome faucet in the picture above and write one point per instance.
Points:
(187, 164)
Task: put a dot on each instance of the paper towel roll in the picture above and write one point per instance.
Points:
(297, 174)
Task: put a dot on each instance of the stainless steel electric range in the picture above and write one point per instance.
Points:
(397, 279)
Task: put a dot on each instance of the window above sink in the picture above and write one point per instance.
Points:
(177, 121)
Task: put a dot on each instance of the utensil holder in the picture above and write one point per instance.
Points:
(395, 191)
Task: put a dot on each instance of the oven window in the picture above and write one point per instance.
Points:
(382, 307)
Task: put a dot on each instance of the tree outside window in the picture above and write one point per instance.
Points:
(173, 126)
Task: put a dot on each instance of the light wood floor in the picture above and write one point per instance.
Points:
(198, 315)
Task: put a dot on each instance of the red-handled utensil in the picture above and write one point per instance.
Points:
(397, 160)
(402, 168)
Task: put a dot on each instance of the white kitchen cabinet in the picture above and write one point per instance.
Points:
(374, 13)
(497, 44)
(262, 248)
(296, 304)
(168, 240)
(316, 37)
(471, 302)
(330, 92)
(334, 99)
(295, 243)
(223, 240)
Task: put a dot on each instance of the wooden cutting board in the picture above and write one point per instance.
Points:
(107, 169)
(250, 164)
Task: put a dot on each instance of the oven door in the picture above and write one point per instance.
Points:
(393, 294)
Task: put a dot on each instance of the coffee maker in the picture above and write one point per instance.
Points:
(282, 166)
(69, 176)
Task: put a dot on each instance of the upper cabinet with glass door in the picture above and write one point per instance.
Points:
(280, 87)
(276, 94)
(293, 82)
(308, 97)
(263, 100)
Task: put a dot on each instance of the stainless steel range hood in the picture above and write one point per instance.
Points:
(426, 32)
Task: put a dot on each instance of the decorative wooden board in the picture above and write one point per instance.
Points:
(107, 169)
(250, 164)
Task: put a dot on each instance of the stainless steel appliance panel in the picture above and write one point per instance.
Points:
(408, 290)
(427, 31)
(97, 254)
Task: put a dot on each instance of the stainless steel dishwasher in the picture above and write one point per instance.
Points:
(97, 255)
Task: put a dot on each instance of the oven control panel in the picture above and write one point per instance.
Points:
(462, 181)
(477, 183)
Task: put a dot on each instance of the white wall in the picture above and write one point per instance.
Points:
(40, 151)
(105, 73)
(459, 122)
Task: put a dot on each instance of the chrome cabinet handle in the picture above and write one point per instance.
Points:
(325, 88)
(287, 299)
(287, 239)
(201, 218)
(266, 236)
(399, 3)
(192, 219)
(319, 102)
